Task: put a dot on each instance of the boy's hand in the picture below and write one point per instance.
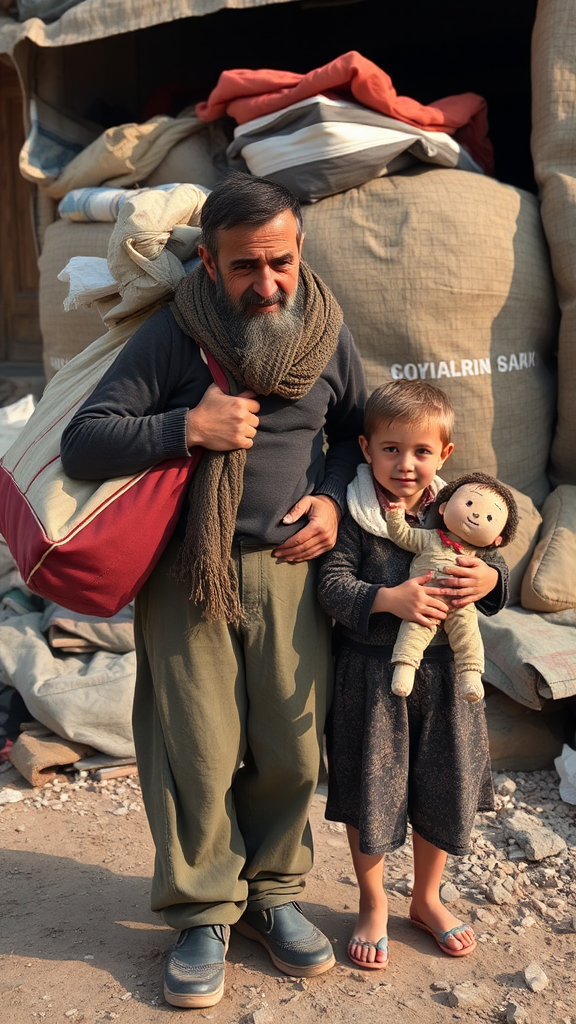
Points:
(412, 601)
(473, 580)
(395, 505)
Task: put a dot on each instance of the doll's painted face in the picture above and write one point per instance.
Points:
(475, 514)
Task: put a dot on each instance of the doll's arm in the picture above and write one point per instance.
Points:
(407, 537)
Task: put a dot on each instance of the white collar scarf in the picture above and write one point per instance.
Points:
(363, 503)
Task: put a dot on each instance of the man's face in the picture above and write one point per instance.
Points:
(257, 266)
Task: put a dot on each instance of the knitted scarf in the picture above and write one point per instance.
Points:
(216, 489)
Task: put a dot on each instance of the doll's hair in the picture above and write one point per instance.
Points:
(509, 530)
(411, 402)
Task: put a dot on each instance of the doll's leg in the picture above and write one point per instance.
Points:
(410, 645)
(461, 626)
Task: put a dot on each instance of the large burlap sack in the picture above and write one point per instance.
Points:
(445, 275)
(65, 334)
(554, 152)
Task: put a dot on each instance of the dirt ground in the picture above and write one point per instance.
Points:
(80, 944)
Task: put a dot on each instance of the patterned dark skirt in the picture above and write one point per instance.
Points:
(422, 759)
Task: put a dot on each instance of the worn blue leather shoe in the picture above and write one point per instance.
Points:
(295, 945)
(194, 972)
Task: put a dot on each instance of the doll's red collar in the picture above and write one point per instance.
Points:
(448, 543)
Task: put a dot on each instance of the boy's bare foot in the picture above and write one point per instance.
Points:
(437, 919)
(366, 947)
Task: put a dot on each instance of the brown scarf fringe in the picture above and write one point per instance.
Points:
(204, 561)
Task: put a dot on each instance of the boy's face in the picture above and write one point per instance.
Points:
(405, 458)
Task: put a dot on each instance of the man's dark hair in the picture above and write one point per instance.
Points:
(245, 199)
(491, 484)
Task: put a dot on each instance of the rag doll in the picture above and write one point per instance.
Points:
(479, 513)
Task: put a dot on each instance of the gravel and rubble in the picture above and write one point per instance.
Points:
(79, 943)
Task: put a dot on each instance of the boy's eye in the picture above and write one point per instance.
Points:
(469, 503)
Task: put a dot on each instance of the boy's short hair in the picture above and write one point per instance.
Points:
(409, 401)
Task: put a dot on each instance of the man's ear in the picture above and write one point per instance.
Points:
(209, 262)
(302, 237)
(497, 542)
(442, 507)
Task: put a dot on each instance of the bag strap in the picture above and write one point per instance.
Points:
(216, 370)
(219, 375)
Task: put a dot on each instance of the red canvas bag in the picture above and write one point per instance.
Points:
(87, 545)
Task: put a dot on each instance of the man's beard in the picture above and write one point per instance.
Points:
(246, 329)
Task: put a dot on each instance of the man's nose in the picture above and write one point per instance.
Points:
(264, 283)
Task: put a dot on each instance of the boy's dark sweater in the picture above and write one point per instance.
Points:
(136, 418)
(359, 564)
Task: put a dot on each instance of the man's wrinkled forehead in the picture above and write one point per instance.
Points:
(282, 231)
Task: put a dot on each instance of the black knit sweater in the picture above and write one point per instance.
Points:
(136, 418)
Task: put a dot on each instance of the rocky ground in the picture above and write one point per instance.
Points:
(79, 943)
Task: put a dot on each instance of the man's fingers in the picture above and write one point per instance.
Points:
(295, 546)
(297, 511)
(306, 544)
(249, 397)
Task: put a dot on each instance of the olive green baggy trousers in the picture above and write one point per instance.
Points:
(228, 726)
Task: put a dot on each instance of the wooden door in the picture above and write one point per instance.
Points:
(20, 338)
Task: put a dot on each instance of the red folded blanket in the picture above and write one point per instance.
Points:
(245, 94)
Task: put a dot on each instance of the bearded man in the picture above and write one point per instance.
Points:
(234, 669)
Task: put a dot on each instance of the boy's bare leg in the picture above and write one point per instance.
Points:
(429, 863)
(372, 923)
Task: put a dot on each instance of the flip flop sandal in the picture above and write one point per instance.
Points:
(376, 965)
(440, 937)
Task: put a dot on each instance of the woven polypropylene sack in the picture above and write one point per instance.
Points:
(554, 152)
(444, 275)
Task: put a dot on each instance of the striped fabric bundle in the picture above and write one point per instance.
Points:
(103, 204)
(321, 146)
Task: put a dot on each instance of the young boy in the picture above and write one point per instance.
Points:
(423, 758)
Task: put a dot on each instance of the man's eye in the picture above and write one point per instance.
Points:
(469, 503)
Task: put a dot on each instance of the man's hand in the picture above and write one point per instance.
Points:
(317, 536)
(222, 422)
(473, 580)
(413, 601)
